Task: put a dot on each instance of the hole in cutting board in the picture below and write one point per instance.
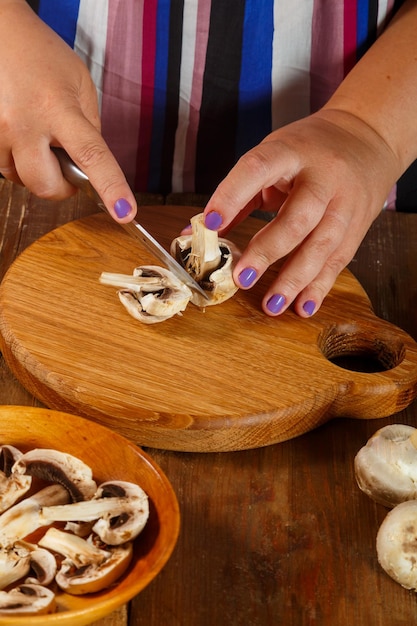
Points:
(360, 350)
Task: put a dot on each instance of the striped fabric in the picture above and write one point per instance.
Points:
(187, 86)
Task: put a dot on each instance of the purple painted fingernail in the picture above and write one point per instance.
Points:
(247, 276)
(213, 220)
(122, 207)
(309, 307)
(275, 303)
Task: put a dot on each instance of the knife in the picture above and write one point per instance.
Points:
(76, 177)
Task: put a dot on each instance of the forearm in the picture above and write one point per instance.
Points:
(381, 90)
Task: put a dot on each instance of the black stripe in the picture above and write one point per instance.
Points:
(216, 141)
(407, 190)
(34, 4)
(172, 98)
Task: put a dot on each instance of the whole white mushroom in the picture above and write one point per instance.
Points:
(396, 544)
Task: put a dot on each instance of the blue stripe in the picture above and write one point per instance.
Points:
(161, 71)
(255, 86)
(362, 19)
(62, 19)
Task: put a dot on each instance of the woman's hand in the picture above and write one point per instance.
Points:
(328, 176)
(47, 98)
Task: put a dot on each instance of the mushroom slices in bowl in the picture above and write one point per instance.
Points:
(92, 550)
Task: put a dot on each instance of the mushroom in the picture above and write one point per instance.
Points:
(24, 518)
(42, 564)
(119, 509)
(27, 599)
(14, 565)
(396, 544)
(58, 467)
(209, 260)
(86, 567)
(21, 559)
(152, 294)
(12, 485)
(386, 467)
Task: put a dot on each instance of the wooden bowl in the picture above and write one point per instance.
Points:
(110, 456)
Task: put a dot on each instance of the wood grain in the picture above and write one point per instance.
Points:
(178, 385)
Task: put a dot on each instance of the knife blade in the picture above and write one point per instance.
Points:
(77, 178)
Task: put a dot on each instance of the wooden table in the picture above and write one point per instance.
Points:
(277, 535)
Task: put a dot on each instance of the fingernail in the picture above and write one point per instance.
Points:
(247, 276)
(187, 230)
(309, 307)
(213, 220)
(122, 207)
(275, 303)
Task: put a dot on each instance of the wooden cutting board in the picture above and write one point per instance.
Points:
(226, 378)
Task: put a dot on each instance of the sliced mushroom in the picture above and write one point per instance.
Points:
(386, 467)
(42, 563)
(27, 599)
(119, 509)
(24, 518)
(59, 467)
(86, 568)
(152, 294)
(209, 260)
(12, 486)
(396, 544)
(14, 565)
(23, 559)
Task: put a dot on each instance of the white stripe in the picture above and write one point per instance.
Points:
(186, 83)
(90, 39)
(382, 15)
(291, 61)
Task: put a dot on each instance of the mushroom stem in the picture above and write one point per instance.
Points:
(24, 518)
(205, 254)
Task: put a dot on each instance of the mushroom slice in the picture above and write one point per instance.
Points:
(152, 294)
(119, 509)
(397, 546)
(27, 599)
(386, 467)
(12, 485)
(24, 518)
(59, 467)
(24, 558)
(42, 563)
(209, 260)
(86, 568)
(14, 565)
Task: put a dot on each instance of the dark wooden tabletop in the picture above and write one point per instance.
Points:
(271, 536)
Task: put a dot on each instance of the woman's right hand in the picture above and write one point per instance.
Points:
(47, 98)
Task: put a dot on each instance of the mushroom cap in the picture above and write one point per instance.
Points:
(396, 544)
(118, 529)
(386, 467)
(59, 467)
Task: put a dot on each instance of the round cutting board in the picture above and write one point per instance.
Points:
(224, 378)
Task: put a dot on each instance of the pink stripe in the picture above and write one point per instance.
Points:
(203, 24)
(350, 36)
(121, 82)
(147, 93)
(326, 67)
